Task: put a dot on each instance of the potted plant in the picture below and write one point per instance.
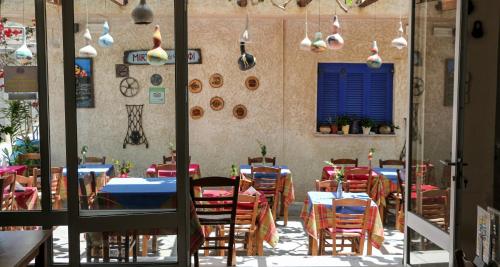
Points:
(334, 128)
(263, 151)
(324, 128)
(387, 128)
(344, 122)
(367, 125)
(123, 167)
(339, 177)
(171, 147)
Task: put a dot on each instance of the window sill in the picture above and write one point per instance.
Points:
(316, 134)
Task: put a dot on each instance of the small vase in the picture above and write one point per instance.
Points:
(124, 175)
(385, 129)
(366, 130)
(339, 190)
(324, 129)
(345, 129)
(334, 128)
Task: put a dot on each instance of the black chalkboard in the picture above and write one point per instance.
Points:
(84, 79)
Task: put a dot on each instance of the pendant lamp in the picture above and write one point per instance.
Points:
(318, 45)
(335, 41)
(374, 61)
(23, 54)
(142, 13)
(157, 56)
(246, 61)
(245, 36)
(88, 50)
(106, 40)
(305, 44)
(400, 42)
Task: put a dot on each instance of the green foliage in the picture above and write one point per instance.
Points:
(123, 166)
(18, 113)
(263, 148)
(26, 146)
(367, 122)
(171, 147)
(344, 120)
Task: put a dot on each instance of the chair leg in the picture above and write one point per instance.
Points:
(361, 246)
(334, 243)
(322, 243)
(127, 247)
(105, 247)
(231, 255)
(154, 243)
(196, 259)
(221, 243)
(249, 243)
(136, 248)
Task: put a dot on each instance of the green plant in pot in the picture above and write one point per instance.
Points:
(367, 125)
(345, 123)
(387, 128)
(123, 167)
(263, 151)
(334, 128)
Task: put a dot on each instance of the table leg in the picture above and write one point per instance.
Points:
(260, 245)
(145, 239)
(369, 244)
(313, 246)
(42, 259)
(381, 209)
(285, 216)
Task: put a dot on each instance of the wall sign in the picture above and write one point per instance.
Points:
(157, 95)
(138, 57)
(21, 79)
(84, 83)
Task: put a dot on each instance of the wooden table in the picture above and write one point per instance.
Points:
(19, 248)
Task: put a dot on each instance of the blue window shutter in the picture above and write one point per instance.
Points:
(354, 106)
(328, 94)
(380, 95)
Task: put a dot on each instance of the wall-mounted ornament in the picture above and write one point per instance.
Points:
(240, 112)
(195, 86)
(121, 70)
(246, 61)
(157, 56)
(135, 132)
(196, 112)
(252, 83)
(335, 41)
(106, 40)
(216, 80)
(156, 79)
(129, 87)
(217, 103)
(157, 95)
(142, 13)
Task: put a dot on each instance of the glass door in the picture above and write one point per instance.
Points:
(434, 157)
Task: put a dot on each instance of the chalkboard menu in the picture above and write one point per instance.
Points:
(84, 78)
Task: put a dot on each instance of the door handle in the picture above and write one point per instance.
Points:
(449, 163)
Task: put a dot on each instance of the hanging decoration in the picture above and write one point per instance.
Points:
(318, 45)
(305, 44)
(88, 50)
(246, 61)
(374, 61)
(335, 41)
(106, 40)
(23, 54)
(157, 56)
(245, 36)
(135, 133)
(400, 42)
(142, 13)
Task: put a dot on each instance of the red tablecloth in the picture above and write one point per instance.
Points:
(27, 199)
(194, 171)
(19, 169)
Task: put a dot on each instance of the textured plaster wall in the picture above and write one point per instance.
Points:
(281, 113)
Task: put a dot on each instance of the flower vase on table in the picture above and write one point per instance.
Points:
(124, 175)
(340, 191)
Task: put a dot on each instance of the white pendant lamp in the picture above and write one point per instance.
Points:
(400, 42)
(305, 44)
(106, 40)
(318, 45)
(88, 50)
(374, 61)
(335, 41)
(245, 36)
(23, 54)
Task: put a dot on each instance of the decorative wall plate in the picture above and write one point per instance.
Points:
(195, 86)
(129, 87)
(216, 80)
(252, 83)
(156, 79)
(196, 112)
(217, 103)
(240, 112)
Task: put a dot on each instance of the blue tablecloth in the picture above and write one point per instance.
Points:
(326, 199)
(98, 169)
(390, 173)
(139, 193)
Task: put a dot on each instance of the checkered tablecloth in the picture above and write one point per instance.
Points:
(287, 189)
(317, 213)
(194, 171)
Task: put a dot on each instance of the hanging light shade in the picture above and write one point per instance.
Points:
(400, 42)
(142, 13)
(245, 36)
(23, 54)
(246, 61)
(318, 45)
(374, 61)
(335, 41)
(157, 56)
(305, 44)
(88, 50)
(106, 40)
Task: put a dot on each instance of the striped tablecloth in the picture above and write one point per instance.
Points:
(317, 213)
(194, 171)
(287, 189)
(19, 169)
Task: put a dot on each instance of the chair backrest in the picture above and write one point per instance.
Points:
(434, 206)
(400, 183)
(95, 160)
(8, 187)
(169, 167)
(260, 160)
(172, 159)
(215, 210)
(392, 162)
(56, 180)
(347, 219)
(330, 186)
(266, 179)
(87, 198)
(30, 156)
(359, 185)
(247, 217)
(28, 159)
(345, 162)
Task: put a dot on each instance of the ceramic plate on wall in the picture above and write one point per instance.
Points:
(195, 86)
(252, 83)
(196, 112)
(240, 111)
(217, 103)
(216, 80)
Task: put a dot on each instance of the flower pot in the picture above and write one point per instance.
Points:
(385, 129)
(324, 129)
(124, 175)
(345, 129)
(366, 130)
(334, 128)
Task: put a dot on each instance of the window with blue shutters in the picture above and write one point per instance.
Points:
(355, 90)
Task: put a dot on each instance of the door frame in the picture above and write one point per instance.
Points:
(447, 241)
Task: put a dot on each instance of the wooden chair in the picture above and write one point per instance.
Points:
(330, 186)
(395, 199)
(267, 181)
(93, 160)
(32, 160)
(9, 186)
(172, 159)
(165, 167)
(216, 212)
(36, 176)
(26, 181)
(361, 185)
(433, 207)
(245, 226)
(345, 162)
(392, 163)
(347, 226)
(259, 160)
(55, 187)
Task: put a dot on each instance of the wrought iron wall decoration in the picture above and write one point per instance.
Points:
(129, 87)
(156, 79)
(195, 86)
(135, 133)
